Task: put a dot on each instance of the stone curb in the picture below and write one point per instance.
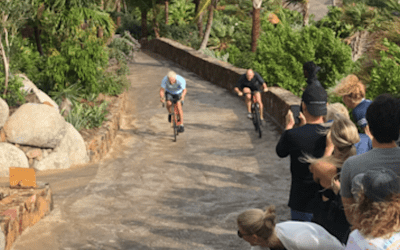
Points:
(98, 144)
(276, 102)
(22, 208)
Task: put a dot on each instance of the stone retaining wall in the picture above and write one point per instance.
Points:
(277, 101)
(20, 209)
(99, 143)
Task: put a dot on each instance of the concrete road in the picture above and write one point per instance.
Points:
(153, 193)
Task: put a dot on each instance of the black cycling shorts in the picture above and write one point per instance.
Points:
(171, 97)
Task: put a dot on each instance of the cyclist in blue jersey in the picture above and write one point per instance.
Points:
(173, 87)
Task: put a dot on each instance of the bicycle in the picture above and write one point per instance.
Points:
(255, 111)
(175, 117)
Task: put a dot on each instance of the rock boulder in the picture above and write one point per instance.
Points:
(11, 156)
(36, 125)
(55, 160)
(74, 145)
(4, 112)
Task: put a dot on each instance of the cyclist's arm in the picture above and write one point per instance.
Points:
(183, 94)
(162, 94)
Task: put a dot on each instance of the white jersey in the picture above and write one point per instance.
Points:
(357, 241)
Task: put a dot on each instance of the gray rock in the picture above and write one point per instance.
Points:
(4, 112)
(36, 125)
(45, 153)
(11, 156)
(58, 160)
(28, 85)
(74, 145)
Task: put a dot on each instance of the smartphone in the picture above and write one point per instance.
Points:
(296, 112)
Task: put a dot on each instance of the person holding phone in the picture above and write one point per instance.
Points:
(305, 139)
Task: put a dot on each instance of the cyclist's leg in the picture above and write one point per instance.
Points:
(168, 98)
(247, 92)
(259, 101)
(180, 110)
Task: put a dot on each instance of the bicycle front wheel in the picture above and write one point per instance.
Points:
(257, 121)
(174, 125)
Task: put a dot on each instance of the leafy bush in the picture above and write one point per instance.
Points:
(216, 54)
(72, 92)
(282, 51)
(181, 12)
(111, 84)
(333, 20)
(187, 34)
(84, 116)
(385, 76)
(82, 58)
(240, 59)
(13, 97)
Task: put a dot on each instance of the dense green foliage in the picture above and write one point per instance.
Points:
(385, 76)
(282, 52)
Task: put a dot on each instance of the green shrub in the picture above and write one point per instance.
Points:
(385, 76)
(111, 84)
(181, 12)
(73, 92)
(84, 116)
(13, 97)
(282, 51)
(333, 20)
(187, 34)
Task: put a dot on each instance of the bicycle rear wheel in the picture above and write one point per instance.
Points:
(257, 120)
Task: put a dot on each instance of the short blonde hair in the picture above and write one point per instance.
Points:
(336, 108)
(350, 86)
(171, 74)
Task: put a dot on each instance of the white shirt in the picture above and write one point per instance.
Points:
(357, 241)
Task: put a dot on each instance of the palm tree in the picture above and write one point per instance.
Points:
(255, 32)
(211, 4)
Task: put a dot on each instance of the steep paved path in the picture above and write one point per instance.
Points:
(153, 193)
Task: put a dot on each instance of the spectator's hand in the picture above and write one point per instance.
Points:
(302, 118)
(240, 93)
(329, 146)
(336, 185)
(289, 120)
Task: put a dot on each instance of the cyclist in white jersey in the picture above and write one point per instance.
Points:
(173, 87)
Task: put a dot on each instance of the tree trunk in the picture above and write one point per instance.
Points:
(37, 39)
(5, 62)
(156, 27)
(166, 11)
(306, 8)
(208, 28)
(255, 32)
(118, 3)
(144, 24)
(200, 25)
(125, 7)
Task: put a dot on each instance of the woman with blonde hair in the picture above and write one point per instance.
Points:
(352, 90)
(258, 228)
(365, 143)
(376, 213)
(328, 211)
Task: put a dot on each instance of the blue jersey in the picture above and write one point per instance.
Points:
(360, 111)
(176, 88)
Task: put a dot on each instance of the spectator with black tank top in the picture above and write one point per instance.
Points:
(302, 140)
(329, 211)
